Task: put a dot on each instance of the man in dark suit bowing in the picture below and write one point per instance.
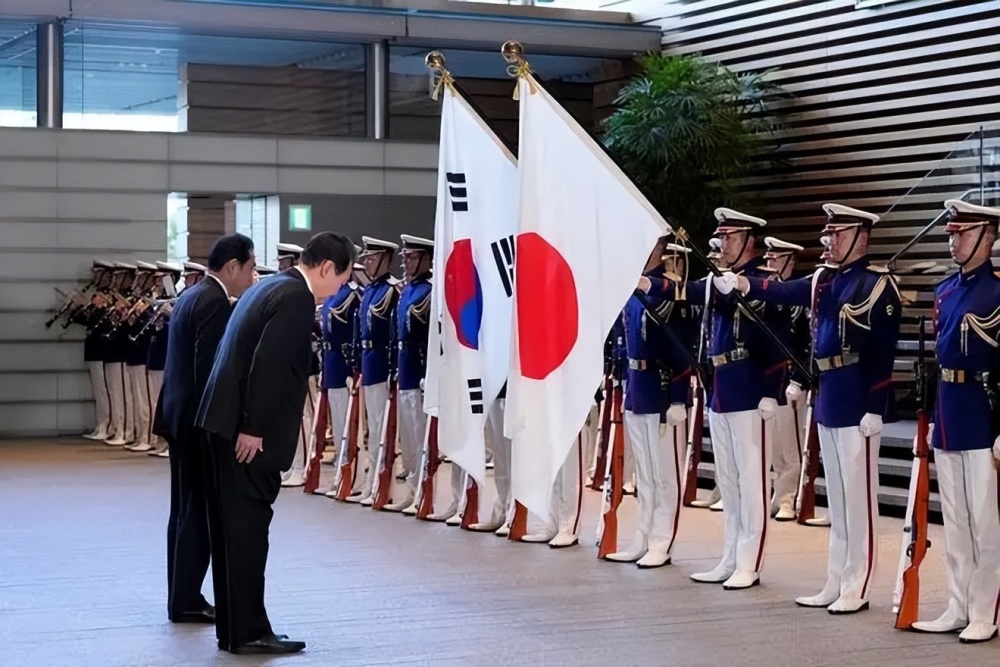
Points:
(252, 409)
(197, 323)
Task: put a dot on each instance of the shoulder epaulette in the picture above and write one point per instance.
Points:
(878, 269)
(394, 281)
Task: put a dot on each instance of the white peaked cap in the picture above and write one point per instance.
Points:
(103, 264)
(777, 245)
(146, 266)
(125, 265)
(373, 244)
(416, 242)
(972, 210)
(192, 266)
(839, 210)
(715, 243)
(172, 267)
(359, 267)
(289, 249)
(724, 215)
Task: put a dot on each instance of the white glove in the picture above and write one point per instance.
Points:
(726, 282)
(793, 392)
(645, 284)
(421, 384)
(870, 425)
(996, 453)
(766, 408)
(676, 414)
(930, 438)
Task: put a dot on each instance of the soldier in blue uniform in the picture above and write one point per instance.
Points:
(94, 347)
(116, 354)
(782, 258)
(855, 322)
(965, 431)
(159, 328)
(375, 338)
(412, 331)
(288, 255)
(146, 289)
(749, 373)
(656, 401)
(339, 320)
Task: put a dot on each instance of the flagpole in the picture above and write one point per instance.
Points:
(518, 67)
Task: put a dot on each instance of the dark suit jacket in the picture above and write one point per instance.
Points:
(196, 326)
(260, 377)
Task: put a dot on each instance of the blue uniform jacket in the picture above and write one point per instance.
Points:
(412, 330)
(376, 336)
(964, 306)
(846, 319)
(338, 315)
(157, 359)
(646, 390)
(739, 386)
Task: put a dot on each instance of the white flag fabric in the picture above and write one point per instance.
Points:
(585, 233)
(469, 352)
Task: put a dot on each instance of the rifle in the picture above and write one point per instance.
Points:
(387, 443)
(689, 491)
(600, 451)
(919, 499)
(347, 456)
(470, 512)
(321, 416)
(607, 529)
(430, 464)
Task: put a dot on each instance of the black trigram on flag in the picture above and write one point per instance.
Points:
(476, 395)
(457, 192)
(503, 256)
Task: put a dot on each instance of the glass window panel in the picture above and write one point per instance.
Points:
(483, 74)
(17, 74)
(149, 79)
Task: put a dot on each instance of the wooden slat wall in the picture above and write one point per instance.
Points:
(881, 96)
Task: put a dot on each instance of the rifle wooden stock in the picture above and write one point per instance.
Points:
(321, 417)
(597, 483)
(613, 485)
(806, 501)
(347, 459)
(909, 602)
(470, 514)
(519, 524)
(426, 506)
(387, 450)
(697, 428)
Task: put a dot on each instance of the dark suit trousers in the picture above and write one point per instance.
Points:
(240, 518)
(187, 530)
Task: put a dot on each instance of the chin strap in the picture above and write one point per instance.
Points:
(975, 248)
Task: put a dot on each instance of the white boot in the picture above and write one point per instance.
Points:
(950, 621)
(825, 598)
(636, 550)
(656, 556)
(741, 580)
(785, 513)
(406, 500)
(716, 576)
(847, 605)
(976, 633)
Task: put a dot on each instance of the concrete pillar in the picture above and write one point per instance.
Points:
(49, 73)
(377, 90)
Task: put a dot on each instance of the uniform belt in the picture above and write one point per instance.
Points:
(326, 346)
(367, 345)
(637, 364)
(837, 361)
(960, 376)
(738, 354)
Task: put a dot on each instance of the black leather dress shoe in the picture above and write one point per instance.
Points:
(269, 645)
(203, 615)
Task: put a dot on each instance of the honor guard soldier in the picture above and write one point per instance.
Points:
(748, 377)
(339, 319)
(781, 259)
(94, 347)
(145, 290)
(855, 323)
(965, 430)
(412, 331)
(159, 326)
(288, 255)
(193, 273)
(117, 351)
(656, 402)
(376, 314)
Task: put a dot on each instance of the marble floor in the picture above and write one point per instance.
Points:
(82, 583)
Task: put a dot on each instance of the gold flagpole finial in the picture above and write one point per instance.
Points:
(517, 66)
(440, 76)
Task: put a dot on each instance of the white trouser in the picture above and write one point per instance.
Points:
(298, 469)
(139, 400)
(850, 465)
(102, 406)
(154, 382)
(127, 380)
(658, 451)
(338, 400)
(500, 446)
(114, 375)
(375, 397)
(787, 454)
(564, 515)
(412, 425)
(741, 444)
(967, 483)
(589, 438)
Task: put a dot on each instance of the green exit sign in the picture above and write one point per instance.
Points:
(300, 217)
